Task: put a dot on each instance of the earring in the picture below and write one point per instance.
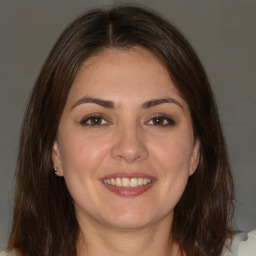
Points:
(56, 169)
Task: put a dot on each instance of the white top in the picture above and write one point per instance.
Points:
(248, 248)
(243, 244)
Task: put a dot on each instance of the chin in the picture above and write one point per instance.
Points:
(132, 219)
(129, 222)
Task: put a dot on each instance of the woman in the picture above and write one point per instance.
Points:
(121, 149)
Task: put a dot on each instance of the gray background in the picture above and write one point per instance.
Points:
(223, 32)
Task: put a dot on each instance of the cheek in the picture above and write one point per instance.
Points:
(81, 159)
(174, 154)
(81, 156)
(172, 160)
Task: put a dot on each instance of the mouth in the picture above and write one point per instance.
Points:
(128, 184)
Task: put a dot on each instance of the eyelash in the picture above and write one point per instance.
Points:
(167, 121)
(95, 117)
(164, 120)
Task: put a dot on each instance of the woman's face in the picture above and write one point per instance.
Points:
(125, 142)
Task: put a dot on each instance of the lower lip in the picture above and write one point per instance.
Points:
(129, 192)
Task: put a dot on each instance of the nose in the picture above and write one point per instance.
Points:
(129, 145)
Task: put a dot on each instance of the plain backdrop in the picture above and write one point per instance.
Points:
(223, 33)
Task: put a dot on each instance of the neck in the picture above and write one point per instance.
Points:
(98, 239)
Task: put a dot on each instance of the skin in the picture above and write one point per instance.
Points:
(127, 138)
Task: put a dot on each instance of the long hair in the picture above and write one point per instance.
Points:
(44, 221)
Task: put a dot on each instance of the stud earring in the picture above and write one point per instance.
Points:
(56, 169)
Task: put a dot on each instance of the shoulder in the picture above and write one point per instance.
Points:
(241, 244)
(248, 247)
(10, 253)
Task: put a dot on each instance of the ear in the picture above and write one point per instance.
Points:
(56, 158)
(194, 160)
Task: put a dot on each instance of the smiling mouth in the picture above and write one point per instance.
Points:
(128, 185)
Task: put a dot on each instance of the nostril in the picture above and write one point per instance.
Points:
(129, 150)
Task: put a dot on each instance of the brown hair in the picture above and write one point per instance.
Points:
(44, 221)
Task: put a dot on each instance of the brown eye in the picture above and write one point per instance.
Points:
(158, 121)
(94, 121)
(161, 121)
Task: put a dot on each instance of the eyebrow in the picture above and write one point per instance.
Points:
(111, 105)
(103, 103)
(156, 102)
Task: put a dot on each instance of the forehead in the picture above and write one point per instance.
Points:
(131, 73)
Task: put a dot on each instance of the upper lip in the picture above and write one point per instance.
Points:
(128, 175)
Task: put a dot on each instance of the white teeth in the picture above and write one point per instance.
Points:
(126, 182)
(118, 182)
(134, 182)
(140, 181)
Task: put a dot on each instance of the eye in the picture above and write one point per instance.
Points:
(95, 120)
(161, 121)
